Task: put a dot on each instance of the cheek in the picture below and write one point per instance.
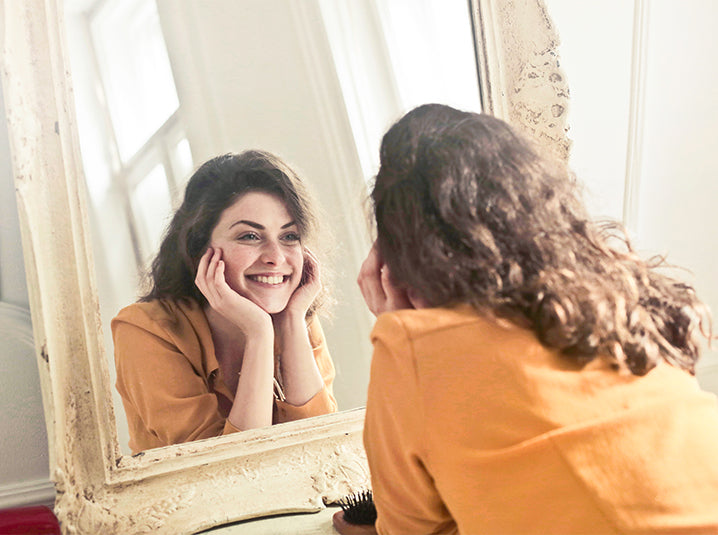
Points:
(235, 264)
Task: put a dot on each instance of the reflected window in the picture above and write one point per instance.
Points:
(393, 55)
(132, 135)
(135, 71)
(151, 204)
(431, 48)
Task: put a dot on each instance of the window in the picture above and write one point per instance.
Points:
(393, 55)
(134, 148)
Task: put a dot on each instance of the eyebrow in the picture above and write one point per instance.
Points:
(257, 225)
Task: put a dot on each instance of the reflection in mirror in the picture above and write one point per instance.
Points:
(161, 87)
(227, 337)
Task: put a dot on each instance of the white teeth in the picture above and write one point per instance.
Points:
(274, 279)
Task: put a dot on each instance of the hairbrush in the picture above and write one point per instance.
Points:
(359, 508)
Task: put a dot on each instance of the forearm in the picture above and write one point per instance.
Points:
(301, 378)
(254, 398)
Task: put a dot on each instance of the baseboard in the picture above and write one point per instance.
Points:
(27, 493)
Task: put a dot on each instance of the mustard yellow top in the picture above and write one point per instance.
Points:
(171, 383)
(472, 426)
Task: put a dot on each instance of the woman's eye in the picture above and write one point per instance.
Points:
(292, 237)
(248, 236)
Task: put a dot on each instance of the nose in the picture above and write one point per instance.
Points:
(272, 253)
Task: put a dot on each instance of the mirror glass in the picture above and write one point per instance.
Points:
(163, 85)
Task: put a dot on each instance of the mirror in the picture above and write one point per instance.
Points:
(184, 488)
(219, 79)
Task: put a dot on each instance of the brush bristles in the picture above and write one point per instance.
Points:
(359, 508)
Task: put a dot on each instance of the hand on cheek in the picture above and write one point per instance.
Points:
(380, 293)
(239, 310)
(309, 288)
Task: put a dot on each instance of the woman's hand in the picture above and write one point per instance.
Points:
(300, 375)
(345, 528)
(377, 288)
(308, 289)
(252, 406)
(242, 312)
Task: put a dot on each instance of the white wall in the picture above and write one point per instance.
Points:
(679, 176)
(675, 144)
(24, 469)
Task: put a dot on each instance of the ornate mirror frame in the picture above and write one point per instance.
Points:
(294, 467)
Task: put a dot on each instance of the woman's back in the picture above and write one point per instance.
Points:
(472, 419)
(589, 419)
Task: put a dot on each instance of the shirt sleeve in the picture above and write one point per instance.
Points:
(323, 401)
(406, 498)
(167, 400)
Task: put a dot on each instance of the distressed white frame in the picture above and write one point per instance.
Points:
(294, 467)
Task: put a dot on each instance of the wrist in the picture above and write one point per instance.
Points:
(259, 322)
(289, 317)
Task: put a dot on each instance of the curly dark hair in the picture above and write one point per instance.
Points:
(213, 187)
(469, 211)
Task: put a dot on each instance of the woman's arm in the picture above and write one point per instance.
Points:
(404, 491)
(323, 402)
(300, 374)
(253, 400)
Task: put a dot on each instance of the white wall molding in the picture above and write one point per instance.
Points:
(15, 321)
(27, 493)
(16, 334)
(636, 116)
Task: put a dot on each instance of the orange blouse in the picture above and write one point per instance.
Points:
(472, 426)
(171, 385)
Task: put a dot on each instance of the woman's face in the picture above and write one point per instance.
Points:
(261, 248)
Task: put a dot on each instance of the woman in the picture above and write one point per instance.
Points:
(226, 338)
(531, 374)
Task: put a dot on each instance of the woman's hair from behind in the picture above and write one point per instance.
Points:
(213, 187)
(468, 211)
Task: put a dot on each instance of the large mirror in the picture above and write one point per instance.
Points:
(163, 86)
(291, 467)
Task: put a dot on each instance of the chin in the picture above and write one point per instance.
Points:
(272, 308)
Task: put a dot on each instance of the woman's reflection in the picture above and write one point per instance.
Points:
(227, 337)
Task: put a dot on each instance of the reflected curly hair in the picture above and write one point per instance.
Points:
(215, 186)
(468, 211)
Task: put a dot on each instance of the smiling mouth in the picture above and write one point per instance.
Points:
(264, 279)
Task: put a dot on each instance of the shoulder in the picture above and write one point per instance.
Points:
(453, 334)
(160, 316)
(428, 322)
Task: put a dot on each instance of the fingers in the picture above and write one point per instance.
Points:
(311, 271)
(210, 275)
(377, 287)
(201, 275)
(309, 286)
(369, 281)
(242, 312)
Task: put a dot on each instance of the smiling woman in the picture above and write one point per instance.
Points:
(256, 245)
(226, 338)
